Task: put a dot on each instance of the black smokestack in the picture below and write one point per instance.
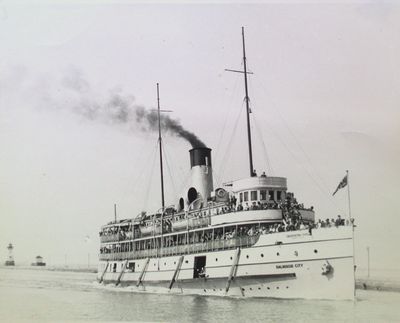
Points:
(200, 156)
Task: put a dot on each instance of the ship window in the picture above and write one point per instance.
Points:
(271, 195)
(279, 195)
(262, 255)
(277, 253)
(241, 197)
(192, 194)
(315, 250)
(246, 196)
(263, 195)
(131, 266)
(181, 204)
(253, 195)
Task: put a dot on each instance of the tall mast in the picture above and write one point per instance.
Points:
(160, 145)
(252, 173)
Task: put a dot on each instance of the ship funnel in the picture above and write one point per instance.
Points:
(201, 184)
(200, 157)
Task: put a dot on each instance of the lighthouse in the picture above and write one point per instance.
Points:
(10, 260)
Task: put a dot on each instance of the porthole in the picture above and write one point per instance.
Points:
(251, 288)
(216, 259)
(231, 258)
(277, 287)
(154, 264)
(186, 261)
(277, 253)
(165, 263)
(259, 288)
(243, 289)
(214, 289)
(287, 287)
(315, 251)
(247, 256)
(174, 262)
(205, 290)
(262, 255)
(268, 288)
(296, 253)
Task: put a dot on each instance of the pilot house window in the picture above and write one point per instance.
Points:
(263, 195)
(279, 195)
(246, 196)
(241, 197)
(271, 195)
(253, 195)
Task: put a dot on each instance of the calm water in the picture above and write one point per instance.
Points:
(41, 295)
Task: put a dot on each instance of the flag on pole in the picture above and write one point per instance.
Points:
(342, 184)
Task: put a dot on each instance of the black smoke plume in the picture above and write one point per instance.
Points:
(150, 120)
(73, 92)
(122, 109)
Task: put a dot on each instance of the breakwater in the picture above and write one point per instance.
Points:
(378, 284)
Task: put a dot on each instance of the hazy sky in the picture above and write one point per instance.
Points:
(324, 95)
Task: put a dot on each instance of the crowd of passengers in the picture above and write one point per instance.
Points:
(256, 230)
(291, 215)
(123, 232)
(333, 223)
(115, 248)
(231, 206)
(240, 232)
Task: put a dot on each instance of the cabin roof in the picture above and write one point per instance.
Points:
(259, 182)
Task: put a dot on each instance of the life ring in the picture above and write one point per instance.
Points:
(221, 193)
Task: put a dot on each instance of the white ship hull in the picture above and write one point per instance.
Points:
(280, 265)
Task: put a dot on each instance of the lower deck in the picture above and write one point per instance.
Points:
(287, 265)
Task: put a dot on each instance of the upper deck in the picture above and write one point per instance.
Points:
(259, 182)
(214, 215)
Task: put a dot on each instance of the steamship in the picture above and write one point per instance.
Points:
(250, 238)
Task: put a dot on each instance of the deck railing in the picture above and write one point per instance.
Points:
(215, 245)
(116, 255)
(110, 237)
(116, 237)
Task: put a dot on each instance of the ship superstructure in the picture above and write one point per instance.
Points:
(249, 238)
